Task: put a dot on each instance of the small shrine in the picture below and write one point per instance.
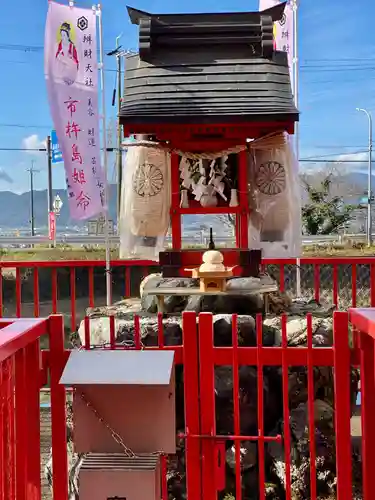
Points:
(212, 273)
(207, 113)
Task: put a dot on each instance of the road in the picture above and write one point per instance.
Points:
(81, 239)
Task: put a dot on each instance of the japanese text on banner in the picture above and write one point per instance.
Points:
(71, 69)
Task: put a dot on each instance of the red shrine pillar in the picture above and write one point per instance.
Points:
(242, 219)
(175, 203)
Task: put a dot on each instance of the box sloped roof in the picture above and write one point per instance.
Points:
(207, 68)
(118, 367)
(208, 86)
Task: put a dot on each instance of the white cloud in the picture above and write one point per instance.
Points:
(4, 176)
(33, 143)
(352, 161)
(341, 164)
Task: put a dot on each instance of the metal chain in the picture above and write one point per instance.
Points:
(127, 451)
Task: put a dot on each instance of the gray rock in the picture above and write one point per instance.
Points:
(125, 331)
(300, 307)
(300, 451)
(248, 455)
(226, 304)
(120, 309)
(250, 283)
(296, 330)
(248, 399)
(172, 303)
(246, 331)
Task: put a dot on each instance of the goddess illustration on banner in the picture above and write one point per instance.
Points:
(67, 63)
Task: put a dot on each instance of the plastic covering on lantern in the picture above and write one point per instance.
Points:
(145, 203)
(274, 198)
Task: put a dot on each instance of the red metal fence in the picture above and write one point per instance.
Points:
(42, 288)
(208, 430)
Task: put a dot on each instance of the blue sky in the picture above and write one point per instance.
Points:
(337, 69)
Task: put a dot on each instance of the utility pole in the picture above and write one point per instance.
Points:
(50, 188)
(49, 163)
(32, 219)
(118, 53)
(369, 177)
(119, 134)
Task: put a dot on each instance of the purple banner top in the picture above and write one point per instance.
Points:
(71, 71)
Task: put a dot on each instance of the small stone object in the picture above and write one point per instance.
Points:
(212, 273)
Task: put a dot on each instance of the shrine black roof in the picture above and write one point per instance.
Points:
(207, 68)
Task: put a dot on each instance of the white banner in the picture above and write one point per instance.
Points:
(71, 71)
(283, 32)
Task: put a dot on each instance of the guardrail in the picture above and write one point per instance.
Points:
(115, 240)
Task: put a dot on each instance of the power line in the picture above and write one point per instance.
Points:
(316, 159)
(40, 48)
(307, 160)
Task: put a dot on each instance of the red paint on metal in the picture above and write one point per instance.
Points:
(207, 398)
(164, 474)
(112, 332)
(54, 290)
(236, 406)
(192, 405)
(367, 412)
(1, 292)
(18, 292)
(311, 408)
(32, 384)
(243, 198)
(58, 419)
(127, 282)
(364, 320)
(19, 349)
(354, 286)
(342, 388)
(220, 460)
(372, 284)
(260, 407)
(87, 332)
(36, 292)
(175, 203)
(285, 385)
(21, 424)
(317, 282)
(91, 287)
(73, 298)
(335, 297)
(137, 332)
(160, 330)
(212, 137)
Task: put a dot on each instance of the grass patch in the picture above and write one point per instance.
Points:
(87, 252)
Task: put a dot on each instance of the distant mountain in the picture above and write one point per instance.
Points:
(15, 208)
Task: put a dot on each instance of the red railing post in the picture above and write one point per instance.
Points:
(341, 352)
(367, 413)
(192, 410)
(32, 371)
(20, 424)
(207, 399)
(7, 427)
(58, 409)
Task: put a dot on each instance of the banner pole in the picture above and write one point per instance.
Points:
(296, 100)
(104, 131)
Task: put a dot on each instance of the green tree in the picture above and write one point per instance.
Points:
(325, 213)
